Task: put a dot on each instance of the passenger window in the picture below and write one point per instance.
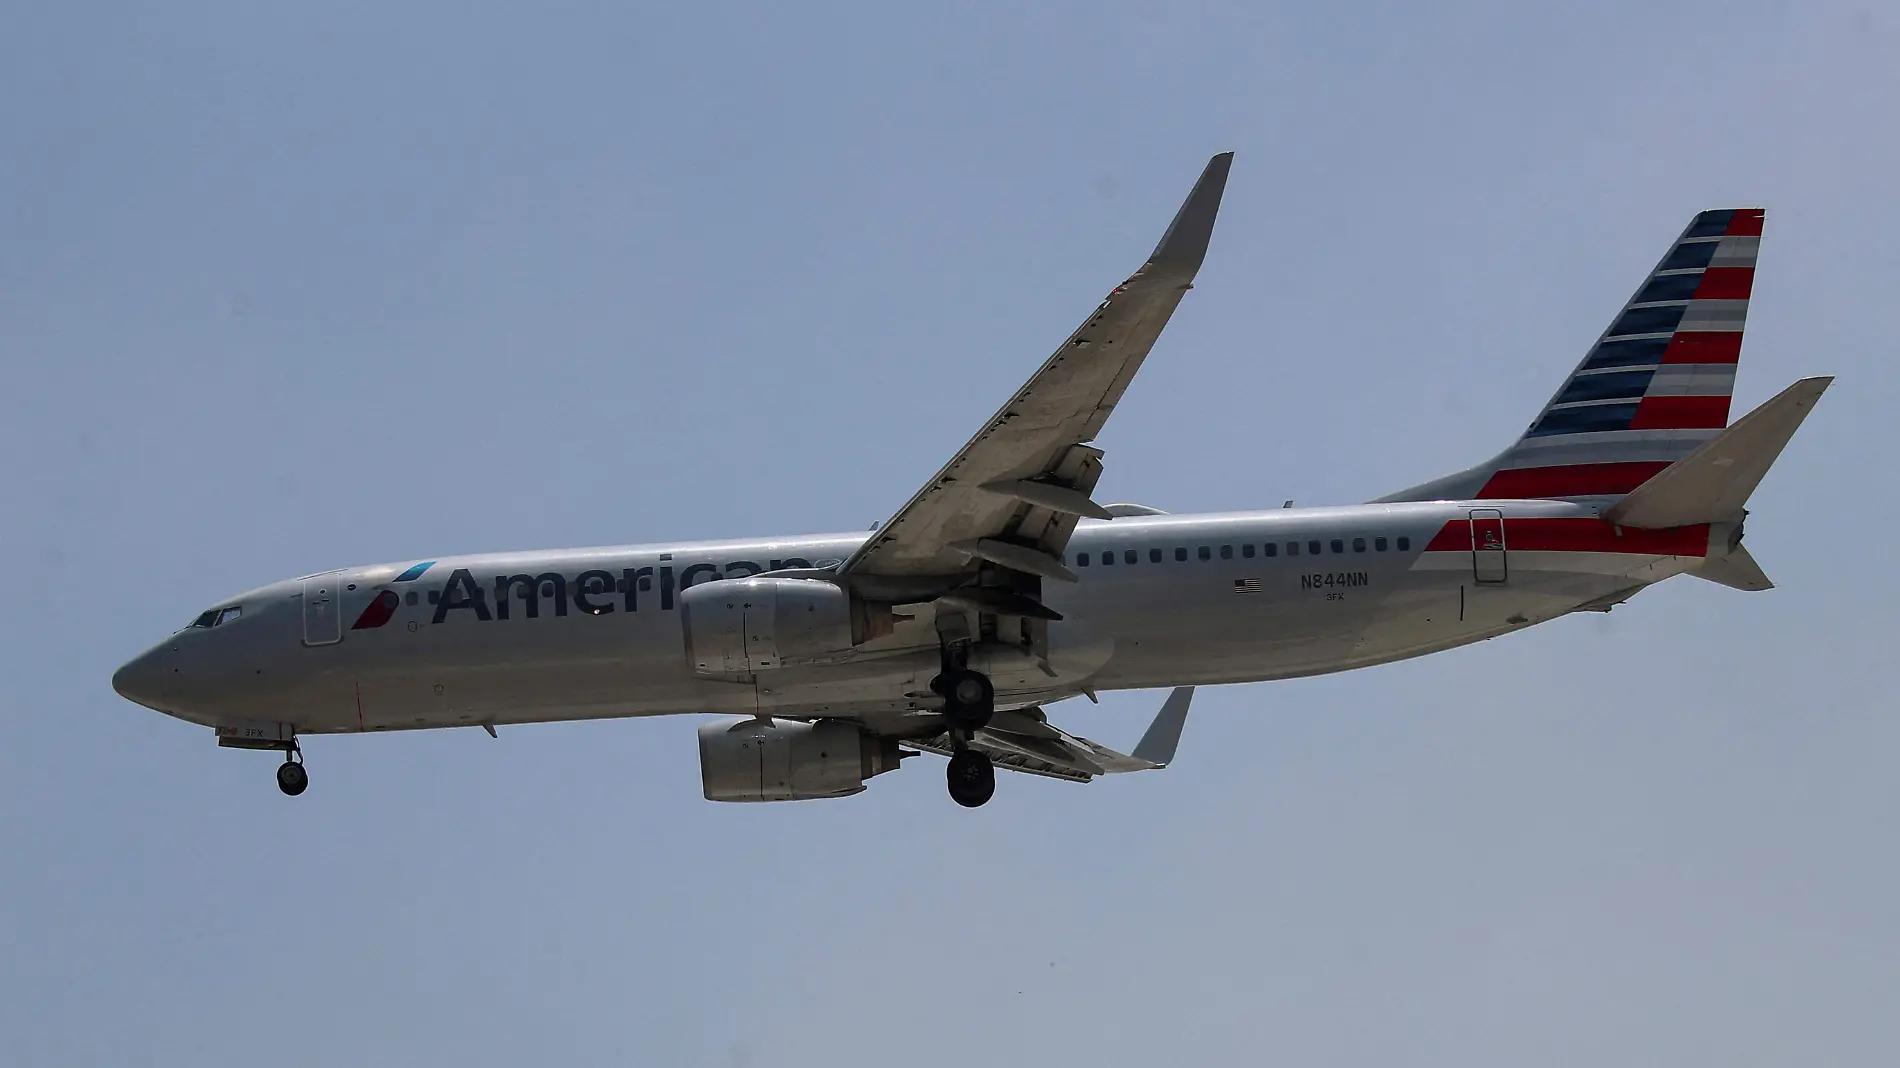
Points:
(1081, 559)
(1129, 557)
(226, 615)
(1247, 550)
(1358, 545)
(1270, 548)
(1313, 546)
(1108, 558)
(1180, 553)
(1378, 544)
(1203, 553)
(1293, 548)
(1226, 552)
(1405, 544)
(1154, 556)
(1339, 546)
(410, 598)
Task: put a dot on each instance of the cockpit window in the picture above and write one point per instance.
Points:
(212, 617)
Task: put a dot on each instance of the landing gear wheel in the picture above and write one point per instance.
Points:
(972, 778)
(968, 698)
(291, 778)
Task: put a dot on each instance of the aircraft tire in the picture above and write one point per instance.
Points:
(969, 700)
(291, 778)
(971, 777)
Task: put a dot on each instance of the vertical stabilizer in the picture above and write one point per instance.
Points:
(1655, 385)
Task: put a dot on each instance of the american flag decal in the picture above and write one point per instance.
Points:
(1249, 585)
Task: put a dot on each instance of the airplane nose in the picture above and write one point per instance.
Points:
(138, 681)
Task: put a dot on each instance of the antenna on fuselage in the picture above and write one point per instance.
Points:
(1288, 504)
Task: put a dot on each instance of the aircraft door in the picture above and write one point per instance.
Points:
(322, 614)
(1488, 564)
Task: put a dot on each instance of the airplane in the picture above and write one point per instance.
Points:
(1002, 587)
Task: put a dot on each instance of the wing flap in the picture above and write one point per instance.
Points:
(1024, 740)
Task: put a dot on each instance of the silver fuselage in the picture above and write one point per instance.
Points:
(596, 633)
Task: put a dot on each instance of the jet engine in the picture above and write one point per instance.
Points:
(752, 759)
(737, 627)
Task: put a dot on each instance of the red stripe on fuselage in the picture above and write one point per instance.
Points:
(1680, 413)
(1575, 480)
(1698, 346)
(1580, 535)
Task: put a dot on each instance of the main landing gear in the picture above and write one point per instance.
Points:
(969, 700)
(971, 777)
(292, 779)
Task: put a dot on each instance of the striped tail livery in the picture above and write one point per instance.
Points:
(1654, 387)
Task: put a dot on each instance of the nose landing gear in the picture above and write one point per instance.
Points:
(292, 779)
(271, 736)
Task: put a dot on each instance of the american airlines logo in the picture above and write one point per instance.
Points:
(595, 592)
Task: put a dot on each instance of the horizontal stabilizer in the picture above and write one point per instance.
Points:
(1711, 484)
(1737, 570)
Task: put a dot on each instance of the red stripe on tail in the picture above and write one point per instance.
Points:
(1681, 413)
(1726, 283)
(1701, 347)
(1575, 480)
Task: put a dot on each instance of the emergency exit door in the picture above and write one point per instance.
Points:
(1488, 565)
(322, 614)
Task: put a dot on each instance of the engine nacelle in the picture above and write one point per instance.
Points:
(737, 627)
(789, 760)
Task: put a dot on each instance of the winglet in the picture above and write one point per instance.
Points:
(1157, 745)
(1185, 243)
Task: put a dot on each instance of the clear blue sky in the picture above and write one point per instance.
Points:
(287, 287)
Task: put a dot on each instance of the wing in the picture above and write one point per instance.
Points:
(1024, 740)
(1011, 497)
